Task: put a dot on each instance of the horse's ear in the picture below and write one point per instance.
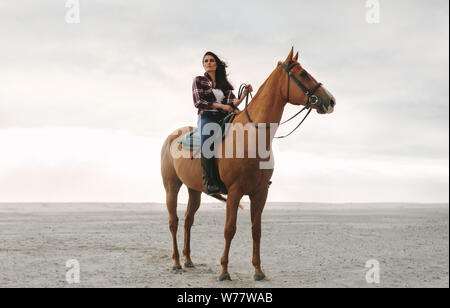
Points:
(295, 58)
(289, 57)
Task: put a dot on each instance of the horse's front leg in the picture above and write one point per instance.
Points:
(192, 207)
(234, 197)
(257, 202)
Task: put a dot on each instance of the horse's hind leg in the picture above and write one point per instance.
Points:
(172, 190)
(192, 207)
(257, 202)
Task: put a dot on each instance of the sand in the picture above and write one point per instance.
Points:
(303, 245)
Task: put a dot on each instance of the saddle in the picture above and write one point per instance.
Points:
(191, 140)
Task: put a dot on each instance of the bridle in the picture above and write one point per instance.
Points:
(312, 100)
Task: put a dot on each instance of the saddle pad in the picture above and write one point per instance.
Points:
(191, 140)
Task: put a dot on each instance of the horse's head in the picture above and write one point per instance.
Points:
(300, 88)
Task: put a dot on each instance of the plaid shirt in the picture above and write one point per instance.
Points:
(202, 92)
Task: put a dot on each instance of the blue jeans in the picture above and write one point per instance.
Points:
(204, 119)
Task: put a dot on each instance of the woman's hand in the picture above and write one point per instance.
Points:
(248, 89)
(224, 107)
(227, 108)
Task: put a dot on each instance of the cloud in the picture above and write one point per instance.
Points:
(128, 66)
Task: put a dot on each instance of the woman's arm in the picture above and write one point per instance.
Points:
(238, 101)
(217, 105)
(203, 96)
(225, 107)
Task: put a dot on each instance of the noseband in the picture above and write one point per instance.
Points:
(312, 100)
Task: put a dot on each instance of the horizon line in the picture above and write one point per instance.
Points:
(218, 202)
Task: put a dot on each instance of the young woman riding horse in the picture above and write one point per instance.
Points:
(214, 98)
(289, 83)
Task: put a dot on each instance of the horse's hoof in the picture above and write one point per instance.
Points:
(189, 265)
(176, 268)
(225, 277)
(259, 277)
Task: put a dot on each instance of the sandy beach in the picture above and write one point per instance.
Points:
(303, 245)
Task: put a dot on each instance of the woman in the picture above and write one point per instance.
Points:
(214, 99)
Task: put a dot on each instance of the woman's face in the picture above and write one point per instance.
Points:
(209, 63)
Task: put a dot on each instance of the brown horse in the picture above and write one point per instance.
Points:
(241, 176)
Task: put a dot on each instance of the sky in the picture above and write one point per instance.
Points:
(85, 107)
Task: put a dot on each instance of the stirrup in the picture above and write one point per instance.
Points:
(212, 189)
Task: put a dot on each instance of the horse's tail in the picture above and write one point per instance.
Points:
(222, 198)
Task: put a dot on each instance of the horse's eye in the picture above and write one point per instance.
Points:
(304, 74)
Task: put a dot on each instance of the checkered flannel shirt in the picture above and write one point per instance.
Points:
(202, 92)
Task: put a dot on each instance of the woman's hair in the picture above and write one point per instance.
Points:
(222, 82)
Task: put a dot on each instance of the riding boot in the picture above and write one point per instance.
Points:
(209, 181)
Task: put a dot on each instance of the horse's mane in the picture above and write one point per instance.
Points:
(261, 88)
